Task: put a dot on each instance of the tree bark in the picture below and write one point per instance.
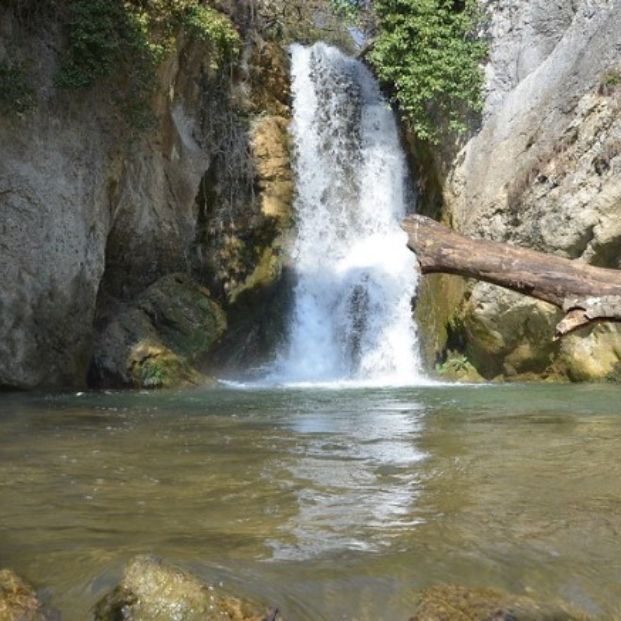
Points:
(584, 292)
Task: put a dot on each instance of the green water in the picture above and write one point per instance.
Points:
(331, 504)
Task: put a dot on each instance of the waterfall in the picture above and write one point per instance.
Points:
(352, 317)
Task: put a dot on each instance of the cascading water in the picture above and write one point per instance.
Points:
(352, 316)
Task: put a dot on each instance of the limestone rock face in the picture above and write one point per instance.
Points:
(543, 172)
(158, 339)
(152, 590)
(93, 211)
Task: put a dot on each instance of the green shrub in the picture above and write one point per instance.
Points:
(611, 77)
(609, 81)
(16, 94)
(350, 10)
(128, 39)
(103, 36)
(428, 51)
(213, 28)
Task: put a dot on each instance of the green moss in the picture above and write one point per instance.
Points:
(16, 94)
(186, 320)
(158, 367)
(154, 374)
(457, 367)
(614, 376)
(264, 274)
(438, 303)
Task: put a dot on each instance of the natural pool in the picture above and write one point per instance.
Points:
(331, 504)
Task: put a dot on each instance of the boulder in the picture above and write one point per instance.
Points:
(157, 340)
(152, 590)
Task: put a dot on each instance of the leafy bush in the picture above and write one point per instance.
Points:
(348, 9)
(214, 28)
(102, 35)
(129, 38)
(16, 95)
(429, 52)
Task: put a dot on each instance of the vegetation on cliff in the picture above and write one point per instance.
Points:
(429, 52)
(124, 40)
(131, 38)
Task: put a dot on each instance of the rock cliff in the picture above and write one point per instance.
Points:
(93, 211)
(541, 171)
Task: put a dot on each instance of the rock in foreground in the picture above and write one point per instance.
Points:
(456, 603)
(152, 590)
(18, 600)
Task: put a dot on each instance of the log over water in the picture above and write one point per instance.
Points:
(584, 292)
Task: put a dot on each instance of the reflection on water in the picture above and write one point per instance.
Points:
(331, 504)
(359, 478)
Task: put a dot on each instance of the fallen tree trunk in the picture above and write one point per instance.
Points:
(584, 292)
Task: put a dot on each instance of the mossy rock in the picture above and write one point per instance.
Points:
(458, 368)
(154, 366)
(19, 601)
(457, 603)
(186, 318)
(161, 339)
(152, 590)
(508, 334)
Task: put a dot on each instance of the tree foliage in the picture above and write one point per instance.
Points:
(429, 52)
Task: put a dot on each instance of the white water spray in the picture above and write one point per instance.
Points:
(352, 317)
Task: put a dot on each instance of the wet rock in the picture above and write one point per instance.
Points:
(158, 340)
(456, 603)
(18, 600)
(152, 590)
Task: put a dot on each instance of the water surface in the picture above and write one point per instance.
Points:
(332, 504)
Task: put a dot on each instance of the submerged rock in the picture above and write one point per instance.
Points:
(456, 603)
(152, 590)
(18, 600)
(156, 341)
